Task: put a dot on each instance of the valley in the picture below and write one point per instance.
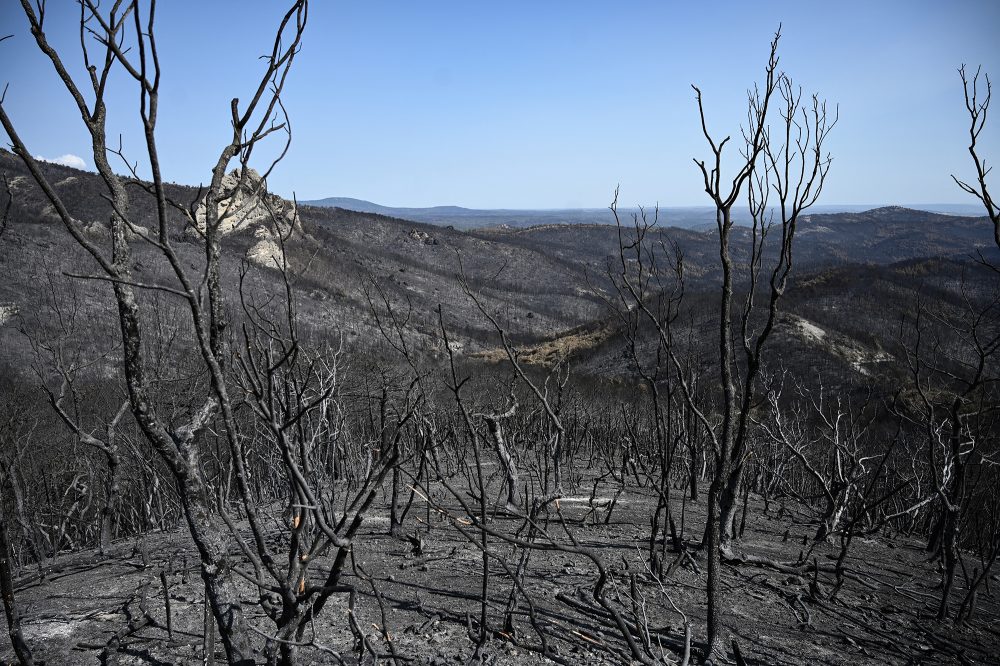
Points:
(241, 426)
(385, 292)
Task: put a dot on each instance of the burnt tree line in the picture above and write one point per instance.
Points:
(212, 406)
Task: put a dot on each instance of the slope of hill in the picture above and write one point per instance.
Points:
(338, 255)
(857, 276)
(878, 236)
(540, 281)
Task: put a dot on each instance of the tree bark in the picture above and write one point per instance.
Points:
(110, 509)
(21, 649)
(509, 468)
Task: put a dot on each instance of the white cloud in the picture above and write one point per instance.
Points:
(68, 159)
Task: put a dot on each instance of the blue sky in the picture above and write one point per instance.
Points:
(538, 104)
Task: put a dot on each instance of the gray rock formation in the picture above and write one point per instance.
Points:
(247, 207)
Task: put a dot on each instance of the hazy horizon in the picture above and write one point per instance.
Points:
(975, 209)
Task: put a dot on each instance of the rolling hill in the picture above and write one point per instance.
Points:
(543, 282)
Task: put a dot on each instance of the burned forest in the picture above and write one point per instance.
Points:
(240, 428)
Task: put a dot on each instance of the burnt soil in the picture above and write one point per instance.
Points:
(883, 615)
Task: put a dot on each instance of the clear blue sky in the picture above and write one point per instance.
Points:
(539, 104)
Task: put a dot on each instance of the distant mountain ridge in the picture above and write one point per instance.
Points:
(362, 206)
(686, 217)
(470, 218)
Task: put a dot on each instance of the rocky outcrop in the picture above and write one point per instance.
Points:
(247, 207)
(266, 251)
(422, 237)
(7, 312)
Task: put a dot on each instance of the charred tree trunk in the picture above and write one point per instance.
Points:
(21, 649)
(952, 510)
(109, 512)
(507, 461)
